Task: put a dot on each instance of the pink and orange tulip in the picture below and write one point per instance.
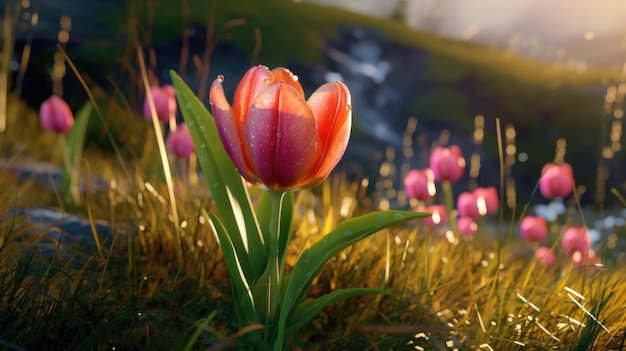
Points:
(276, 138)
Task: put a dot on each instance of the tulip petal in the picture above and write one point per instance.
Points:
(278, 132)
(229, 132)
(251, 85)
(332, 109)
(283, 75)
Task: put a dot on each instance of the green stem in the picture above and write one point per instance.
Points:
(71, 194)
(274, 270)
(447, 191)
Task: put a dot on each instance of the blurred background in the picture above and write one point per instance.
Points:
(548, 77)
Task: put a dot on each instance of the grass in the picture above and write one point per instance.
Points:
(470, 294)
(131, 292)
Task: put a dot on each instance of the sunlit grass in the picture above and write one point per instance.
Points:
(447, 291)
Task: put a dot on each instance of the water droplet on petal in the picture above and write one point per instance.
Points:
(220, 78)
(295, 78)
(348, 107)
(267, 81)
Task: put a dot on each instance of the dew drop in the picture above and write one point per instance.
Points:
(188, 105)
(267, 81)
(348, 107)
(347, 233)
(220, 78)
(191, 123)
(203, 145)
(295, 78)
(202, 128)
(278, 135)
(216, 185)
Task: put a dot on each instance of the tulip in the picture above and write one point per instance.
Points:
(420, 184)
(447, 163)
(545, 256)
(467, 226)
(585, 258)
(557, 180)
(180, 143)
(56, 116)
(438, 215)
(467, 205)
(534, 229)
(576, 239)
(164, 103)
(487, 200)
(277, 139)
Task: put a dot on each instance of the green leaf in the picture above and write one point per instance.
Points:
(312, 260)
(227, 187)
(242, 295)
(76, 137)
(310, 308)
(75, 144)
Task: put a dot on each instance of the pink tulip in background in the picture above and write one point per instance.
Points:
(487, 197)
(478, 203)
(576, 239)
(557, 180)
(467, 205)
(420, 184)
(585, 258)
(180, 142)
(56, 116)
(545, 256)
(534, 229)
(467, 226)
(438, 216)
(447, 163)
(164, 102)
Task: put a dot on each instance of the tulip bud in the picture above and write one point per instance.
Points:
(438, 215)
(576, 239)
(420, 184)
(557, 180)
(467, 226)
(447, 163)
(180, 142)
(545, 256)
(487, 200)
(56, 116)
(534, 229)
(164, 103)
(467, 205)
